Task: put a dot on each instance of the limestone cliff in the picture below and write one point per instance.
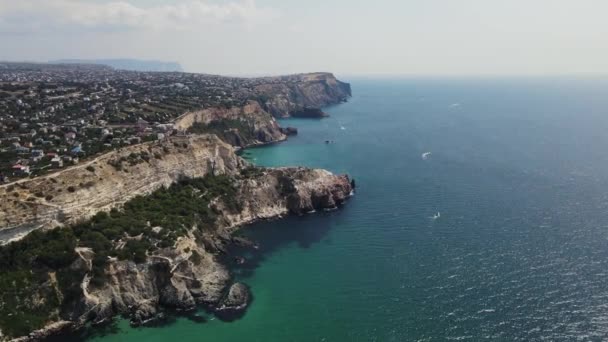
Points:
(282, 191)
(179, 276)
(302, 95)
(109, 180)
(243, 126)
(299, 94)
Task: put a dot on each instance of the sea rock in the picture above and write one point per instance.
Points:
(243, 242)
(234, 304)
(144, 314)
(289, 131)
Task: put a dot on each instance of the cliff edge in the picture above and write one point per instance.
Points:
(296, 95)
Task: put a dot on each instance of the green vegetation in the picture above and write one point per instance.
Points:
(252, 172)
(37, 282)
(132, 159)
(29, 283)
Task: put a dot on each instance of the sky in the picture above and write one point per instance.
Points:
(347, 37)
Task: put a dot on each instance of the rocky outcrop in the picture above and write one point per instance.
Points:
(283, 191)
(234, 303)
(297, 94)
(245, 126)
(178, 278)
(108, 181)
(42, 334)
(289, 131)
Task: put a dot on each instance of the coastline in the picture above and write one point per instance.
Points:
(72, 328)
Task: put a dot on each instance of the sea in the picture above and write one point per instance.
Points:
(480, 214)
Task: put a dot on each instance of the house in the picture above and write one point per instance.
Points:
(70, 159)
(77, 150)
(22, 149)
(36, 156)
(57, 162)
(142, 124)
(21, 170)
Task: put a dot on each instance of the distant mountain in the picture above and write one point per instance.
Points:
(127, 64)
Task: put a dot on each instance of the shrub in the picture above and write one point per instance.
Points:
(71, 189)
(88, 184)
(196, 258)
(90, 168)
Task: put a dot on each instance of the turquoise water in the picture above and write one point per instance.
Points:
(519, 172)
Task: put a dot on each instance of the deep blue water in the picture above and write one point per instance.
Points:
(519, 172)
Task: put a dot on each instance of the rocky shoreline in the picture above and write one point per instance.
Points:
(177, 281)
(192, 272)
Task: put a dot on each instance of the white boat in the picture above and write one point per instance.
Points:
(426, 155)
(436, 216)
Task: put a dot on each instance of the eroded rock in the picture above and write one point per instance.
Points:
(234, 304)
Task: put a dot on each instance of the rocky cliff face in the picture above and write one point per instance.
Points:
(108, 181)
(178, 277)
(243, 126)
(293, 95)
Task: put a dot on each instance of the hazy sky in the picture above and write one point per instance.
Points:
(421, 37)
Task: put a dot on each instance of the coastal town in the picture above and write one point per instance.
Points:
(56, 115)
